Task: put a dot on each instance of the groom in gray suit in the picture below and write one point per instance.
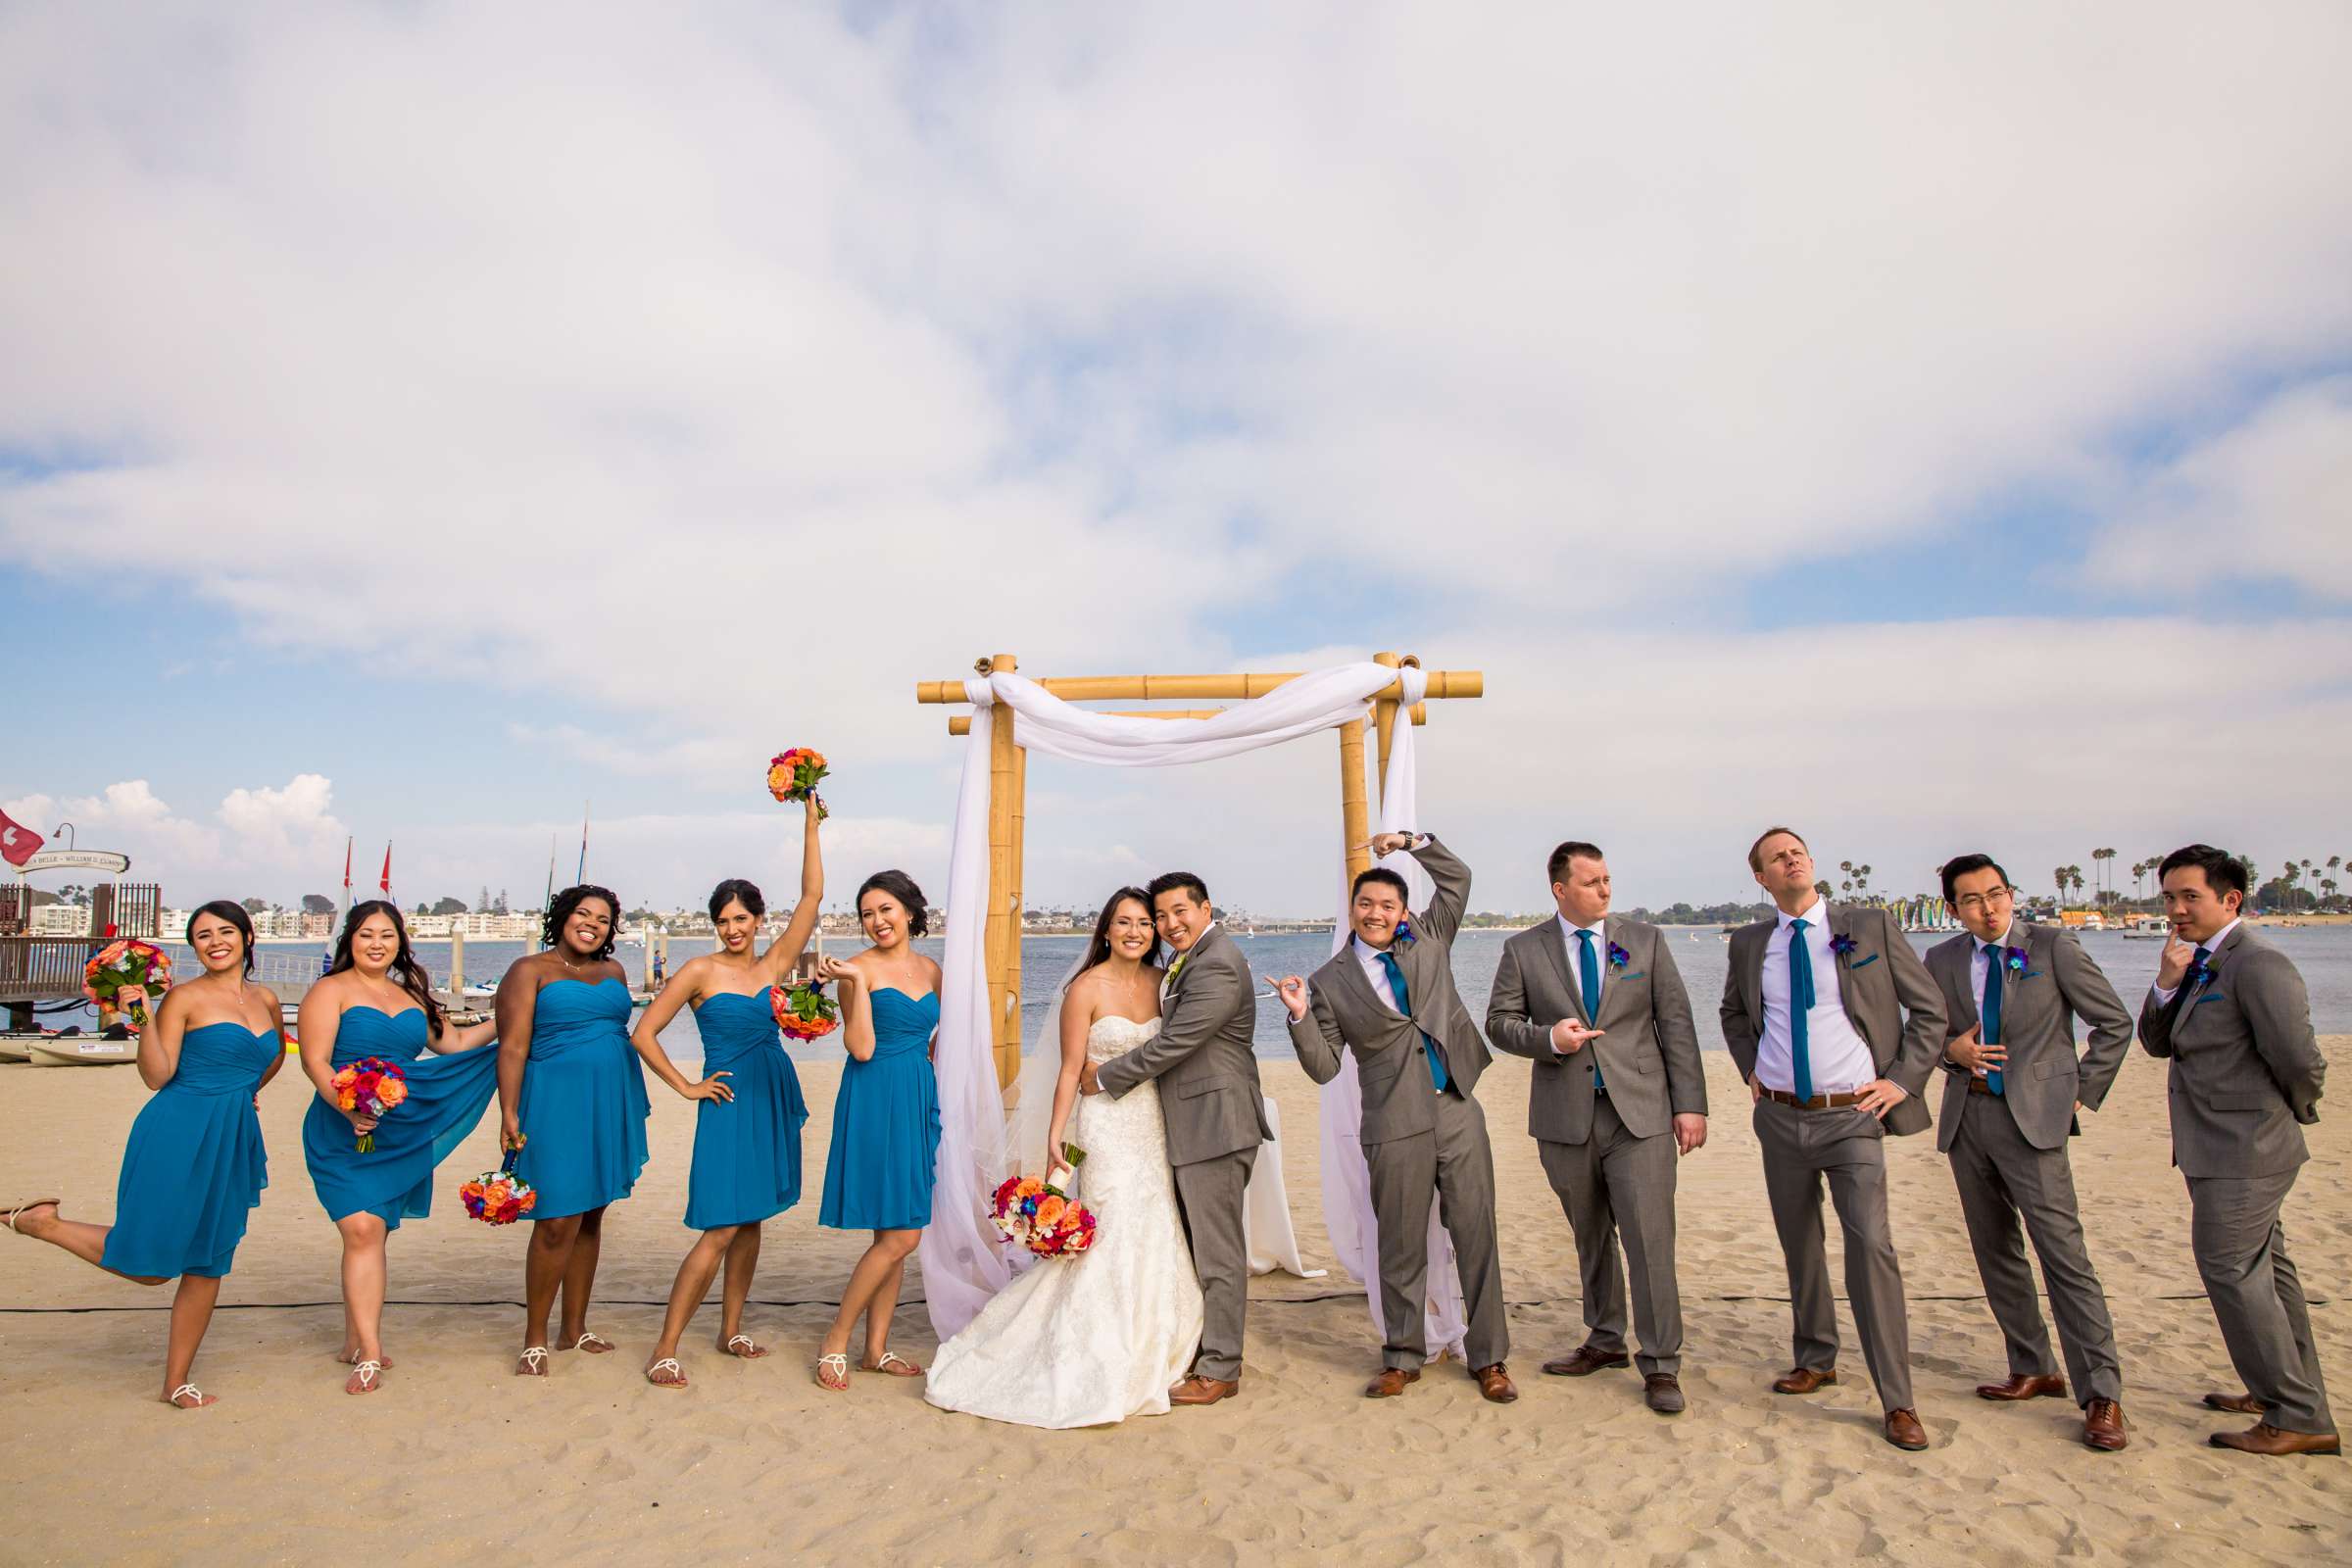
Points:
(1835, 1025)
(1618, 1096)
(1210, 1102)
(2231, 1013)
(2012, 1087)
(1388, 996)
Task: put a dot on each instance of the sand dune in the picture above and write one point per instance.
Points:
(455, 1460)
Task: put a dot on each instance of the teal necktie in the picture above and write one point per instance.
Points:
(1405, 1005)
(1588, 971)
(1991, 1034)
(1801, 1003)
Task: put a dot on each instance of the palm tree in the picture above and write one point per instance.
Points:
(2073, 874)
(2058, 876)
(1862, 877)
(1823, 889)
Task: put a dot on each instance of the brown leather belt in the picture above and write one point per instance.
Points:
(1817, 1103)
(1978, 1086)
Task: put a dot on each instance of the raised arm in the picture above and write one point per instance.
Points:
(2278, 1008)
(1509, 1029)
(1677, 1035)
(2085, 989)
(785, 952)
(518, 1000)
(1207, 999)
(1444, 916)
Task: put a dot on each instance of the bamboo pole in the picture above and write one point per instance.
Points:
(961, 723)
(1002, 936)
(1356, 813)
(1443, 683)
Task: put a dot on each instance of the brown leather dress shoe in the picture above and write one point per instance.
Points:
(1391, 1382)
(2103, 1426)
(2236, 1403)
(1804, 1380)
(2264, 1438)
(2021, 1386)
(1495, 1383)
(1584, 1362)
(1198, 1389)
(1662, 1392)
(1904, 1431)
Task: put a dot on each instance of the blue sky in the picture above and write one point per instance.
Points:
(607, 425)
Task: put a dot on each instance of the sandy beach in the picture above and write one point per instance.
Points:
(455, 1460)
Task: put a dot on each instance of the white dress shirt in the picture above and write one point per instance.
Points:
(1600, 958)
(2164, 995)
(1980, 965)
(1840, 1057)
(1377, 972)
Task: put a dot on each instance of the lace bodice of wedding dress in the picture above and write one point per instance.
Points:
(1096, 1338)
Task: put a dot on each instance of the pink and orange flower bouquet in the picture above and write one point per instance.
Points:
(373, 1087)
(139, 967)
(794, 774)
(498, 1197)
(805, 1012)
(1037, 1214)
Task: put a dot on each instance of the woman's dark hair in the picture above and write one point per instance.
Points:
(1098, 950)
(735, 890)
(406, 971)
(900, 886)
(571, 899)
(234, 914)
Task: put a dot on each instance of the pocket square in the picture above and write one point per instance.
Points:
(2210, 995)
(1636, 975)
(1867, 962)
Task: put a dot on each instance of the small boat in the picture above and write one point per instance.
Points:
(17, 1048)
(81, 1050)
(2147, 933)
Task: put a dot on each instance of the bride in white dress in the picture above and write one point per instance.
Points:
(1084, 1340)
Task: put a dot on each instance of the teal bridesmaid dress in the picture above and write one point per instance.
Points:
(886, 1123)
(746, 1151)
(447, 1095)
(583, 1103)
(194, 1167)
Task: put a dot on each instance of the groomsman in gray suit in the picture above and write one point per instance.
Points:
(1618, 1094)
(2012, 1090)
(1835, 1025)
(2230, 1011)
(1388, 996)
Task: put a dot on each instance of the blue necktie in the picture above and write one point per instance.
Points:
(1991, 1034)
(1801, 1003)
(1405, 1005)
(1588, 972)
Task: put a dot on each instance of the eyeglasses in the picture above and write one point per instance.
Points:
(1976, 903)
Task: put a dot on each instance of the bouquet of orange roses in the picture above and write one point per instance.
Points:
(498, 1197)
(141, 968)
(794, 776)
(805, 1012)
(373, 1087)
(1035, 1212)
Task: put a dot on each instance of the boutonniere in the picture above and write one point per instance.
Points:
(1617, 957)
(2202, 975)
(1843, 946)
(1404, 933)
(2014, 959)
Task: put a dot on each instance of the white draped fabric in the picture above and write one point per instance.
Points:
(1347, 1181)
(964, 1262)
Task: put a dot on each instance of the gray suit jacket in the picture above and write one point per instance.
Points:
(2043, 1077)
(1648, 1048)
(1209, 1094)
(2246, 1068)
(1881, 981)
(1344, 1011)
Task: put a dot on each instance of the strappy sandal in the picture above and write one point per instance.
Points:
(594, 1344)
(839, 1366)
(192, 1391)
(891, 1358)
(532, 1363)
(34, 1202)
(749, 1351)
(366, 1374)
(671, 1363)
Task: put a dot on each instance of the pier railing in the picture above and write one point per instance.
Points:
(42, 968)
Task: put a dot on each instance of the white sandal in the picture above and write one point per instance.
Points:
(367, 1372)
(671, 1363)
(534, 1358)
(586, 1340)
(185, 1387)
(887, 1356)
(839, 1363)
(36, 1203)
(751, 1352)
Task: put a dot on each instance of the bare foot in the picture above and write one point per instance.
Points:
(667, 1373)
(833, 1371)
(188, 1397)
(534, 1363)
(593, 1343)
(892, 1362)
(365, 1376)
(741, 1344)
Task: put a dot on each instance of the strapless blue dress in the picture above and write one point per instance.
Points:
(194, 1167)
(447, 1095)
(583, 1102)
(746, 1151)
(886, 1124)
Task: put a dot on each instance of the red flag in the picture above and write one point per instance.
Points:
(17, 843)
(386, 881)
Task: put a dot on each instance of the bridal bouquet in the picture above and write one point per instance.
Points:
(139, 967)
(1033, 1211)
(373, 1087)
(497, 1197)
(794, 776)
(805, 1012)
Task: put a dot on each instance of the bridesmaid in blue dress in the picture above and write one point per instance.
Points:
(376, 1001)
(572, 1097)
(194, 1165)
(885, 1119)
(747, 1129)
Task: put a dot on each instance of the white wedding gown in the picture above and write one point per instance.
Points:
(1084, 1340)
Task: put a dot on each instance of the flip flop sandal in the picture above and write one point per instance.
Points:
(366, 1374)
(839, 1366)
(190, 1389)
(591, 1341)
(891, 1358)
(533, 1362)
(670, 1362)
(749, 1351)
(36, 1203)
